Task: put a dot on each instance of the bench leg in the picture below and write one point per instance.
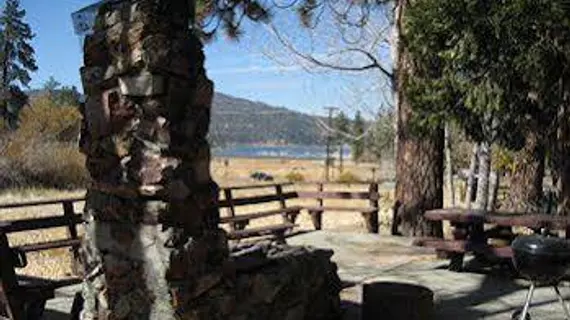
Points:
(456, 262)
(240, 225)
(371, 221)
(317, 218)
(460, 232)
(290, 217)
(35, 309)
(280, 237)
(77, 306)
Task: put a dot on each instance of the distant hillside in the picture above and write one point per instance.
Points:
(237, 120)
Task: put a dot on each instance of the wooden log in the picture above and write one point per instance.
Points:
(396, 301)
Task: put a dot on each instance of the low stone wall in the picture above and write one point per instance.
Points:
(274, 282)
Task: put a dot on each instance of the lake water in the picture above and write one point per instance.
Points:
(289, 151)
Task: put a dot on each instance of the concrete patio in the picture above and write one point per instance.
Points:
(368, 257)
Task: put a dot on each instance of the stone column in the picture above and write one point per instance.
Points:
(152, 243)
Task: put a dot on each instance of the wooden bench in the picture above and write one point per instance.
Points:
(470, 234)
(239, 222)
(24, 297)
(370, 213)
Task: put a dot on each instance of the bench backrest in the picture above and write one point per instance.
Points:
(272, 193)
(68, 218)
(320, 195)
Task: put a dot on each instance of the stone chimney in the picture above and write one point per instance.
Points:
(152, 241)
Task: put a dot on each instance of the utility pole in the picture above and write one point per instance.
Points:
(329, 140)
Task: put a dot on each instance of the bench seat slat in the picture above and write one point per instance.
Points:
(330, 208)
(260, 231)
(49, 245)
(257, 215)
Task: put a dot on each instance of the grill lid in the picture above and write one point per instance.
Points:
(541, 245)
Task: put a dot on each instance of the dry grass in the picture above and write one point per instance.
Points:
(57, 263)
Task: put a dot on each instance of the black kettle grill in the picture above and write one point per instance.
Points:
(543, 261)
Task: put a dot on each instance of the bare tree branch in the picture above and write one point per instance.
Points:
(374, 64)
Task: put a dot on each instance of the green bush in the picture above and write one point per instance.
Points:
(295, 176)
(348, 177)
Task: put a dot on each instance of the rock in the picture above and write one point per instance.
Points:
(143, 84)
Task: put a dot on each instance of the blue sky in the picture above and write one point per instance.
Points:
(255, 68)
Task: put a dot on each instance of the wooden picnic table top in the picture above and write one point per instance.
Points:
(501, 218)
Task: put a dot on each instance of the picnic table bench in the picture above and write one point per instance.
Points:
(238, 222)
(369, 212)
(471, 236)
(24, 297)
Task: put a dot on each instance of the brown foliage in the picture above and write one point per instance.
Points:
(42, 152)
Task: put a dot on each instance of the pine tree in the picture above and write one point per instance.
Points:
(17, 60)
(358, 131)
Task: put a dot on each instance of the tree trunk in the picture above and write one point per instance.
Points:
(449, 167)
(484, 172)
(495, 183)
(563, 158)
(419, 158)
(471, 176)
(525, 192)
(340, 159)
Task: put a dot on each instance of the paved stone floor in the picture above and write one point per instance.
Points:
(366, 258)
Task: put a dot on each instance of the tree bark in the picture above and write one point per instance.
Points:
(449, 166)
(471, 176)
(495, 183)
(484, 174)
(562, 156)
(525, 192)
(419, 157)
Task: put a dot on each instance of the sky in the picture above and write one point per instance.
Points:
(258, 67)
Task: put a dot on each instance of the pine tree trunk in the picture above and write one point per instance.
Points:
(525, 191)
(419, 158)
(484, 173)
(563, 157)
(471, 180)
(449, 166)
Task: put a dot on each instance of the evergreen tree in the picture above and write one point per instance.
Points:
(358, 130)
(17, 60)
(61, 96)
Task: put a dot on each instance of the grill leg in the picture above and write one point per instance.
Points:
(527, 302)
(566, 312)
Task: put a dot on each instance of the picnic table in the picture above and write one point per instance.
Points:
(473, 231)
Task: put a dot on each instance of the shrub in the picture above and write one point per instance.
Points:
(348, 177)
(55, 165)
(42, 152)
(294, 176)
